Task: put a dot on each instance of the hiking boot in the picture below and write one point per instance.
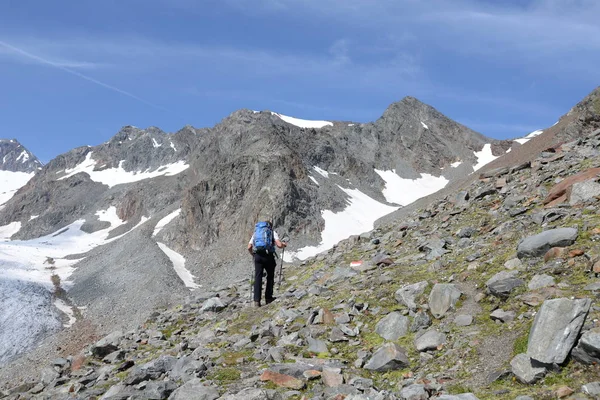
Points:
(268, 301)
(257, 304)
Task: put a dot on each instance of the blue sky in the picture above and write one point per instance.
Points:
(72, 72)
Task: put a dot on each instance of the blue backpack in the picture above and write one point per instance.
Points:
(263, 239)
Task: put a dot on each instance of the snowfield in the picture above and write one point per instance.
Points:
(28, 309)
(405, 191)
(358, 217)
(303, 123)
(10, 182)
(117, 176)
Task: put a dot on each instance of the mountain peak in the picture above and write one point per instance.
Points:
(15, 157)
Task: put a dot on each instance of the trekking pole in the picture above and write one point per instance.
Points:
(286, 239)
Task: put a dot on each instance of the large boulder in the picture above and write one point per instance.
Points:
(393, 326)
(582, 192)
(525, 371)
(587, 350)
(560, 192)
(538, 245)
(430, 340)
(442, 298)
(555, 329)
(503, 283)
(107, 344)
(407, 294)
(388, 357)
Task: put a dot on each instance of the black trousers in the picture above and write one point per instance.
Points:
(264, 263)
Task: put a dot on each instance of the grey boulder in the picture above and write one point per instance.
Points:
(430, 340)
(442, 298)
(538, 245)
(525, 371)
(407, 294)
(587, 350)
(555, 329)
(387, 358)
(393, 326)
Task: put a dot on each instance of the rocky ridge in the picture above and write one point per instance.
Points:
(489, 292)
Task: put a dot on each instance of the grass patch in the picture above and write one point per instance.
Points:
(224, 375)
(520, 345)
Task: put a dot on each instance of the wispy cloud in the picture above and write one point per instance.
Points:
(68, 69)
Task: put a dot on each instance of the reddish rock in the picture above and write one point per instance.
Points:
(596, 267)
(283, 380)
(311, 374)
(561, 191)
(332, 377)
(555, 252)
(77, 362)
(328, 317)
(564, 391)
(576, 253)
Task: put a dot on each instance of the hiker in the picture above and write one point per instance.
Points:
(262, 247)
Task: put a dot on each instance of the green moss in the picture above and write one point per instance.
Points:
(233, 357)
(224, 375)
(520, 345)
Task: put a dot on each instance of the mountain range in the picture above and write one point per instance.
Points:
(486, 288)
(107, 233)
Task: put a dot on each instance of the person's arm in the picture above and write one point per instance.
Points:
(278, 242)
(250, 245)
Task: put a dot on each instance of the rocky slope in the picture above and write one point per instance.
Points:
(208, 186)
(486, 292)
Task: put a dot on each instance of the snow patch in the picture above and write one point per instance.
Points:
(455, 164)
(10, 182)
(165, 221)
(179, 266)
(424, 126)
(484, 156)
(173, 147)
(404, 191)
(155, 144)
(321, 172)
(23, 156)
(314, 180)
(27, 260)
(7, 231)
(117, 176)
(358, 217)
(529, 137)
(66, 309)
(303, 123)
(33, 217)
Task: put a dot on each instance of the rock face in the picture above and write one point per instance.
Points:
(538, 245)
(555, 329)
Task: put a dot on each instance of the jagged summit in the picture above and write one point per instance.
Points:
(14, 157)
